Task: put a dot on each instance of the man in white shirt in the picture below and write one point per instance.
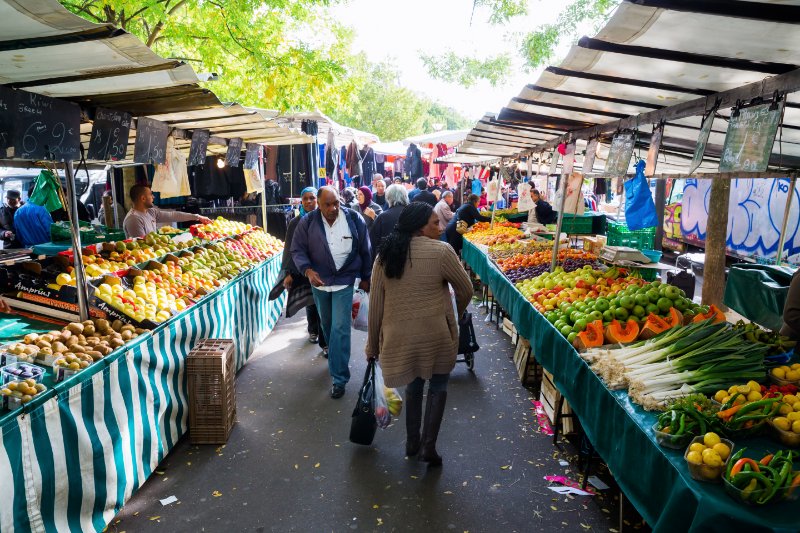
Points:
(331, 248)
(144, 216)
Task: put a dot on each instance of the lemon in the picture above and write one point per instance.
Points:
(782, 423)
(710, 439)
(789, 398)
(744, 389)
(710, 472)
(796, 405)
(722, 450)
(694, 457)
(796, 426)
(721, 395)
(739, 399)
(754, 386)
(711, 457)
(795, 366)
(785, 409)
(794, 415)
(732, 390)
(753, 396)
(725, 400)
(792, 375)
(697, 447)
(779, 373)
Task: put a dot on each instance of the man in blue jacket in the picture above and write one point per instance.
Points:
(331, 248)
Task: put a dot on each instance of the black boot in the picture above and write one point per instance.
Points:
(434, 411)
(413, 406)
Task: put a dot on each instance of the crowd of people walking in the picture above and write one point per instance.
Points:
(396, 246)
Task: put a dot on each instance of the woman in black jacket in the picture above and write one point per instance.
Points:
(294, 282)
(468, 213)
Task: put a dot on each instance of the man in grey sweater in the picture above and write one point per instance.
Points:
(144, 216)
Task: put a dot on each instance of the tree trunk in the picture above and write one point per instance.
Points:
(716, 234)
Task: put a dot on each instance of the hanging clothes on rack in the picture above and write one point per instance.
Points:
(331, 158)
(413, 162)
(309, 127)
(353, 159)
(368, 167)
(271, 163)
(600, 187)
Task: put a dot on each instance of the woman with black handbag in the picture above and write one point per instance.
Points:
(410, 293)
(295, 283)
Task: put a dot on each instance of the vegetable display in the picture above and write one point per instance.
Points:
(772, 478)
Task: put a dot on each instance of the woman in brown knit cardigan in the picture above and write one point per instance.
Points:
(411, 322)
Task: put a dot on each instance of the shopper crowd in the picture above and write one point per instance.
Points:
(396, 252)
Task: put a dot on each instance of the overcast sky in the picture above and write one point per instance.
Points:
(397, 30)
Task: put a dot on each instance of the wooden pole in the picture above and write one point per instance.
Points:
(716, 235)
(782, 240)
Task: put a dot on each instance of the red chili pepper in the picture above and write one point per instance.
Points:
(766, 459)
(741, 462)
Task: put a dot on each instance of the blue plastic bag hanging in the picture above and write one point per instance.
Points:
(640, 210)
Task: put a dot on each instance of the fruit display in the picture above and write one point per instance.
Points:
(21, 372)
(263, 241)
(22, 391)
(480, 233)
(144, 301)
(786, 374)
(777, 343)
(219, 228)
(686, 418)
(565, 256)
(499, 212)
(772, 478)
(707, 456)
(524, 246)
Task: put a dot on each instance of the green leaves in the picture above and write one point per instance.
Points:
(467, 71)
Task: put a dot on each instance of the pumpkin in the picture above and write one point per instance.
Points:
(591, 337)
(714, 313)
(617, 332)
(674, 318)
(653, 325)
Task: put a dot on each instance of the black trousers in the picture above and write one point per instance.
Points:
(314, 326)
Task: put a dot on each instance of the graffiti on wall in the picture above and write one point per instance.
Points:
(755, 216)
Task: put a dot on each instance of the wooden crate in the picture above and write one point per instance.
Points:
(529, 373)
(549, 397)
(508, 328)
(210, 370)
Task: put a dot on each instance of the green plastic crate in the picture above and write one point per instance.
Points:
(577, 225)
(619, 235)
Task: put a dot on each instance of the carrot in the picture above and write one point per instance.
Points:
(726, 414)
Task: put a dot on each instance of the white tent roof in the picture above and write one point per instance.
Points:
(445, 136)
(343, 134)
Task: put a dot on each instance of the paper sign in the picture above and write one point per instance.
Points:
(591, 153)
(569, 159)
(573, 203)
(568, 484)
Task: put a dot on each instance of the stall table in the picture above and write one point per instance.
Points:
(655, 479)
(70, 459)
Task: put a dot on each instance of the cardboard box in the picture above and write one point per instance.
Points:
(549, 397)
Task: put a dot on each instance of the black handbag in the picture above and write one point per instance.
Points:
(277, 290)
(467, 341)
(364, 424)
(300, 296)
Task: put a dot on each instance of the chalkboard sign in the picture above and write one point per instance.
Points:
(251, 156)
(652, 153)
(109, 140)
(619, 155)
(8, 100)
(751, 134)
(151, 141)
(702, 140)
(234, 152)
(46, 128)
(197, 152)
(591, 152)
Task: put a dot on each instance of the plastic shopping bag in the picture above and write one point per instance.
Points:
(640, 210)
(360, 310)
(388, 402)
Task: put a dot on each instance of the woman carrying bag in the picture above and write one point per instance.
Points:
(295, 283)
(410, 292)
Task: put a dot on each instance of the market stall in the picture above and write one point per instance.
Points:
(655, 479)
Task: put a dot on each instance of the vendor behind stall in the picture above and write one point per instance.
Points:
(144, 216)
(13, 203)
(543, 211)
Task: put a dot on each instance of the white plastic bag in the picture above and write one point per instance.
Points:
(360, 311)
(388, 402)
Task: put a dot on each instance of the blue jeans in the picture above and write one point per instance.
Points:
(336, 319)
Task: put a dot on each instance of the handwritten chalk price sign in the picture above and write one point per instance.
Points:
(151, 141)
(109, 140)
(751, 134)
(234, 151)
(8, 99)
(197, 152)
(46, 128)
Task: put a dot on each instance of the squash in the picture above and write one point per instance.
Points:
(653, 325)
(674, 319)
(591, 337)
(714, 313)
(617, 332)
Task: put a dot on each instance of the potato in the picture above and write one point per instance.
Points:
(59, 347)
(46, 351)
(101, 324)
(46, 338)
(89, 330)
(92, 341)
(72, 340)
(116, 343)
(127, 335)
(65, 334)
(30, 338)
(95, 355)
(117, 325)
(75, 327)
(43, 344)
(81, 339)
(87, 323)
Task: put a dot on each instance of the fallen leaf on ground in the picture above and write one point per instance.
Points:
(216, 494)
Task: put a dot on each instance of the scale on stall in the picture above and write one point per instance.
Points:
(623, 255)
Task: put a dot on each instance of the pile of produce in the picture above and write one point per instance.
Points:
(573, 257)
(499, 234)
(499, 212)
(777, 343)
(771, 478)
(687, 417)
(699, 358)
(786, 373)
(219, 228)
(525, 246)
(708, 455)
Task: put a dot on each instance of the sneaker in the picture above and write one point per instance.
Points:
(337, 391)
(313, 338)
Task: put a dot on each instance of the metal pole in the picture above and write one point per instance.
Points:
(80, 275)
(557, 238)
(494, 207)
(112, 179)
(782, 239)
(264, 192)
(661, 193)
